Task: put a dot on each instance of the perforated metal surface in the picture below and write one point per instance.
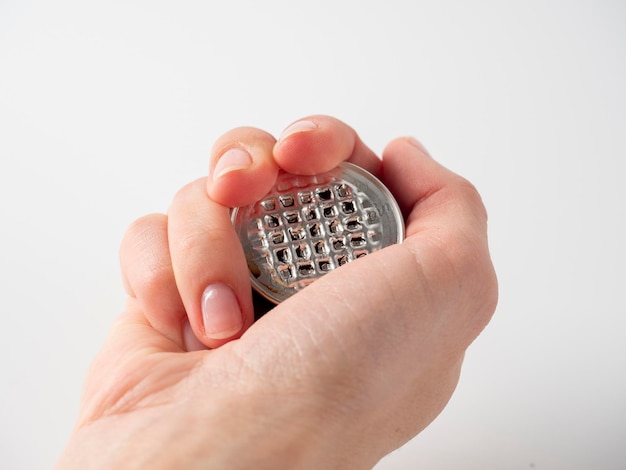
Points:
(308, 226)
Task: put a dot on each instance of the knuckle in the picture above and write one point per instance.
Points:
(197, 242)
(152, 280)
(473, 200)
(143, 225)
(187, 192)
(140, 233)
(144, 255)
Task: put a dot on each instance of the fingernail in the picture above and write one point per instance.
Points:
(233, 159)
(221, 314)
(296, 127)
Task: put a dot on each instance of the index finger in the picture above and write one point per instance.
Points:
(317, 144)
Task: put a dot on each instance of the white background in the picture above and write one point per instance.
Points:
(107, 108)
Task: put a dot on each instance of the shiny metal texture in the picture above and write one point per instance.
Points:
(308, 226)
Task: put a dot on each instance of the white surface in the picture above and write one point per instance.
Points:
(106, 108)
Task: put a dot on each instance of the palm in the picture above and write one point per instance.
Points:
(143, 368)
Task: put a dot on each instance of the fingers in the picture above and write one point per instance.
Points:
(446, 232)
(149, 277)
(317, 144)
(206, 260)
(446, 219)
(209, 266)
(414, 177)
(242, 168)
(245, 161)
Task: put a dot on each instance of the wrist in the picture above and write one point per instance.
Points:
(236, 432)
(262, 432)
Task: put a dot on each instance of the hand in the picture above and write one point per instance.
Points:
(338, 375)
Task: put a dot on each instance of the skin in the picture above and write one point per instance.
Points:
(338, 375)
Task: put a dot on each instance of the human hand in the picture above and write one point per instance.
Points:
(336, 376)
